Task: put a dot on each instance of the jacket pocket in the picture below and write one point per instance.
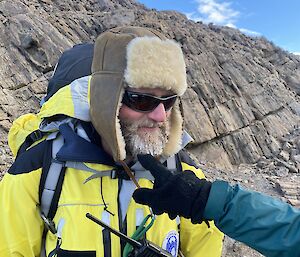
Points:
(66, 253)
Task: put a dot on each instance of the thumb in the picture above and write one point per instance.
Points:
(172, 215)
(158, 170)
(144, 196)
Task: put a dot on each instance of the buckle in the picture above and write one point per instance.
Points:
(54, 160)
(49, 224)
(113, 174)
(36, 135)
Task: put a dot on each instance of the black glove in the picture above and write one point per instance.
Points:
(181, 194)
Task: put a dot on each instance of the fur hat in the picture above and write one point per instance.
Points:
(141, 58)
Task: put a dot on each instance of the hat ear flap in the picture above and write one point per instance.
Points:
(175, 137)
(105, 103)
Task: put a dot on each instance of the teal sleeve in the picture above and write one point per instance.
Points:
(264, 223)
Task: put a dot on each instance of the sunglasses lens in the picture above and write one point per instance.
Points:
(146, 103)
(168, 103)
(142, 102)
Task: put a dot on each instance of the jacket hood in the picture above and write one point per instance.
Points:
(74, 63)
(71, 101)
(138, 58)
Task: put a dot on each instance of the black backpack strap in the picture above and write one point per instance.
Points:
(184, 157)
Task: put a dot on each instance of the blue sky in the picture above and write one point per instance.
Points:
(277, 20)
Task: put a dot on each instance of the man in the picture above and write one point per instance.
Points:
(266, 224)
(94, 128)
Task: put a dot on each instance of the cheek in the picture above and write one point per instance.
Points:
(168, 113)
(126, 113)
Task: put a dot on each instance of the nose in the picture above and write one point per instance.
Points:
(158, 114)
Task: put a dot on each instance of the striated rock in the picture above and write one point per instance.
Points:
(262, 163)
(288, 165)
(198, 122)
(243, 91)
(296, 158)
(281, 171)
(291, 191)
(284, 155)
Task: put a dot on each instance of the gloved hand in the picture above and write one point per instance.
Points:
(181, 194)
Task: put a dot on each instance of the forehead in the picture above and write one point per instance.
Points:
(152, 91)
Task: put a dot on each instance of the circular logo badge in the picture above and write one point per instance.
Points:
(171, 243)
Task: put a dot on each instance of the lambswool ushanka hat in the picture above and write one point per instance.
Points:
(138, 58)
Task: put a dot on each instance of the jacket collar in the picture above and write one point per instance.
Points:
(79, 149)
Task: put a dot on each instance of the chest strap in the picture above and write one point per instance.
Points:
(137, 169)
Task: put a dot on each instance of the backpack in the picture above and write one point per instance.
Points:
(74, 63)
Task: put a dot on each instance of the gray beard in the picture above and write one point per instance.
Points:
(145, 142)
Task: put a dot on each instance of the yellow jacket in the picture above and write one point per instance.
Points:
(20, 222)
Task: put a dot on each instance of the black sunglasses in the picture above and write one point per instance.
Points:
(146, 103)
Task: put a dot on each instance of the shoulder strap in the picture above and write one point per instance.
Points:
(52, 178)
(53, 173)
(184, 157)
(172, 162)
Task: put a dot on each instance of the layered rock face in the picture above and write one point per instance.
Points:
(242, 99)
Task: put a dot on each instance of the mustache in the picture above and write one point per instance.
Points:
(150, 124)
(142, 123)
